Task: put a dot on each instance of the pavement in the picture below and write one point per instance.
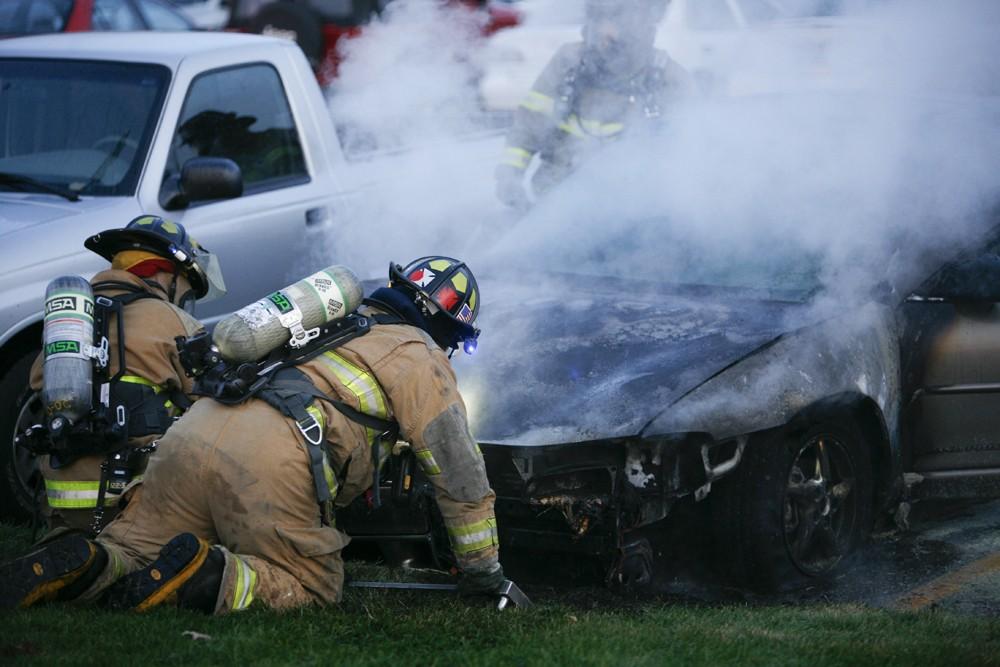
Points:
(948, 559)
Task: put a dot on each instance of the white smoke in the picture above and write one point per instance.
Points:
(848, 166)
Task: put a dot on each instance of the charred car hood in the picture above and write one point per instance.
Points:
(606, 361)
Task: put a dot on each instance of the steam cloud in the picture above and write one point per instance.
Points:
(837, 170)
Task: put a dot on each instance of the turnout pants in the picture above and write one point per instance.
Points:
(237, 477)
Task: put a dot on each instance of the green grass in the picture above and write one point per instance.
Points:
(405, 628)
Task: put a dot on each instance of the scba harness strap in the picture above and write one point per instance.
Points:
(278, 382)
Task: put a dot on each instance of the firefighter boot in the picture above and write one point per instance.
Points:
(60, 570)
(187, 573)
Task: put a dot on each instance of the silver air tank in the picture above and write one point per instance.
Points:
(290, 315)
(68, 337)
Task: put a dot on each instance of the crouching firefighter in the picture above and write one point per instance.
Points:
(110, 378)
(236, 504)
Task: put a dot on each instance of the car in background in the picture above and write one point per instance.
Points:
(318, 26)
(205, 14)
(34, 17)
(710, 38)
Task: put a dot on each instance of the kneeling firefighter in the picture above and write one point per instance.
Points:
(110, 377)
(236, 504)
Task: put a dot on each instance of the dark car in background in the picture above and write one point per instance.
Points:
(34, 17)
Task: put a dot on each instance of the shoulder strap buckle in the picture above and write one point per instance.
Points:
(310, 424)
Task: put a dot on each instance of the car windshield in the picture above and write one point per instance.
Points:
(78, 125)
(666, 254)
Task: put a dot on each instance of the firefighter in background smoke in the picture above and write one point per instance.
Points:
(227, 513)
(156, 271)
(591, 92)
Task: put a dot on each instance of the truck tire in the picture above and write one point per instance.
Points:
(288, 19)
(797, 506)
(17, 470)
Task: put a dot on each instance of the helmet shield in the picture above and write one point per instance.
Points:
(169, 240)
(208, 263)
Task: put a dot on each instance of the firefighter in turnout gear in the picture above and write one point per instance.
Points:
(236, 504)
(590, 93)
(156, 269)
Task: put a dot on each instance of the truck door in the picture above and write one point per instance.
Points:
(242, 113)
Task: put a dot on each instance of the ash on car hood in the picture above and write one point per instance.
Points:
(604, 362)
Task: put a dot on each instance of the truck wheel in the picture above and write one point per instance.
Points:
(795, 508)
(18, 469)
(293, 21)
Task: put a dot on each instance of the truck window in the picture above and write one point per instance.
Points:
(241, 113)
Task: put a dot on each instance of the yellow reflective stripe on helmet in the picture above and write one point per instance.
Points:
(539, 103)
(75, 495)
(516, 157)
(474, 536)
(439, 264)
(246, 582)
(360, 383)
(427, 462)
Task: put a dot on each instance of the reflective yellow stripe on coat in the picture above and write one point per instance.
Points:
(76, 495)
(363, 385)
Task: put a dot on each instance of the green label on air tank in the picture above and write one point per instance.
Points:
(282, 302)
(62, 347)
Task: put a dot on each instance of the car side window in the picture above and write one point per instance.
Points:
(114, 15)
(159, 17)
(241, 113)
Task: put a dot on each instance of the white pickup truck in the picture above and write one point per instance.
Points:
(227, 133)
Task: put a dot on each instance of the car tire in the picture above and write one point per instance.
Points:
(290, 17)
(795, 508)
(17, 470)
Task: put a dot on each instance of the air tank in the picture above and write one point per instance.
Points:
(68, 334)
(252, 332)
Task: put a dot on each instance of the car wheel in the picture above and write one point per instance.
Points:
(795, 508)
(18, 469)
(294, 21)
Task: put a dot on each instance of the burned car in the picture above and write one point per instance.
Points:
(798, 419)
(796, 378)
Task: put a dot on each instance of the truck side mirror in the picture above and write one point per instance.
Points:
(974, 280)
(202, 179)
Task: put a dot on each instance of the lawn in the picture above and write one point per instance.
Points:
(584, 627)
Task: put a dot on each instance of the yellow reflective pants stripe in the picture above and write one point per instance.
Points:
(246, 582)
(516, 157)
(474, 536)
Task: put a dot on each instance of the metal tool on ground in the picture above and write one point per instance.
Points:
(509, 595)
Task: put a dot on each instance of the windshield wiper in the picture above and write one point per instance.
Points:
(19, 180)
